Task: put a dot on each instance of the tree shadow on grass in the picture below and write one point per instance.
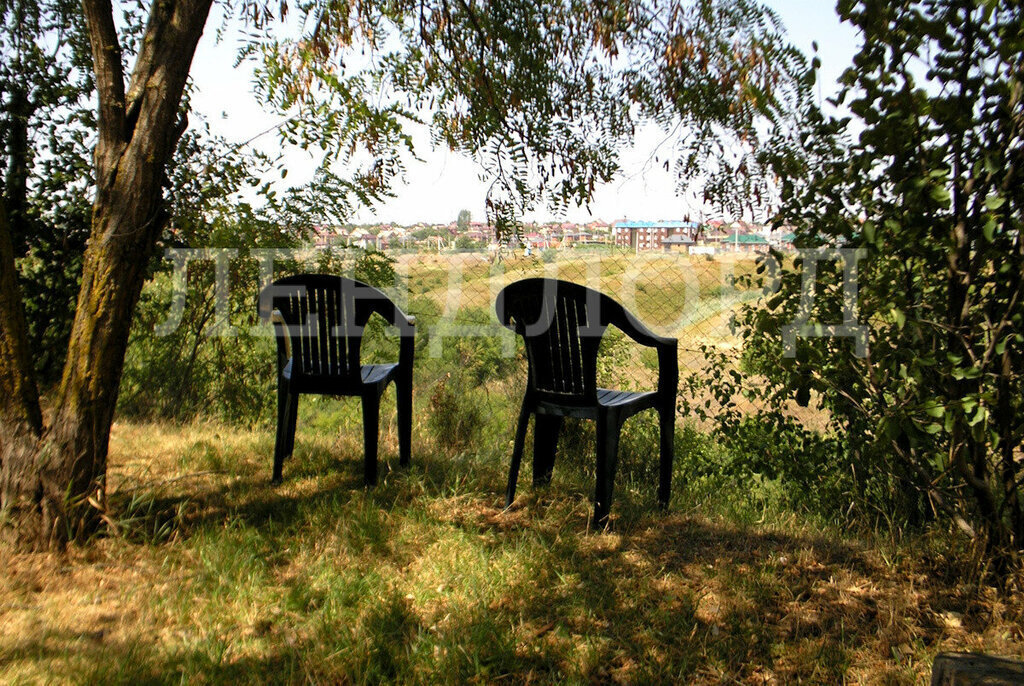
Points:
(662, 598)
(322, 492)
(688, 599)
(314, 475)
(677, 600)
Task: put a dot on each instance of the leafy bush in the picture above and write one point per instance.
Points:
(929, 425)
(482, 355)
(192, 372)
(48, 276)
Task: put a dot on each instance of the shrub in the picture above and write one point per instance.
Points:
(183, 375)
(930, 416)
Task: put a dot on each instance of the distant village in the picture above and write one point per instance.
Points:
(709, 238)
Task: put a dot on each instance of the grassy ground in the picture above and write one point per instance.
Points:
(209, 574)
(206, 573)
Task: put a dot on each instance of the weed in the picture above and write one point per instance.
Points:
(455, 416)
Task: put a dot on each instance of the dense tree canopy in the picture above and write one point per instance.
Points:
(46, 121)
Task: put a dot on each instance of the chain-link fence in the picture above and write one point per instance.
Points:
(690, 297)
(201, 319)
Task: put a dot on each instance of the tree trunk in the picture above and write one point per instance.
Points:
(51, 491)
(21, 420)
(16, 181)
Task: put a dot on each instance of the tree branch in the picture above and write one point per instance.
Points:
(106, 57)
(161, 69)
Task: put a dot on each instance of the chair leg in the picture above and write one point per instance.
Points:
(403, 393)
(517, 453)
(371, 417)
(667, 420)
(608, 426)
(280, 440)
(293, 412)
(545, 441)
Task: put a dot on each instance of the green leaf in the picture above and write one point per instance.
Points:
(959, 373)
(940, 195)
(989, 229)
(994, 202)
(979, 415)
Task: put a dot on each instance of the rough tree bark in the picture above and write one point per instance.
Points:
(49, 475)
(16, 181)
(21, 420)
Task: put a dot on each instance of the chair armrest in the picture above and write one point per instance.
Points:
(616, 314)
(394, 316)
(277, 319)
(668, 348)
(391, 313)
(406, 323)
(406, 339)
(407, 349)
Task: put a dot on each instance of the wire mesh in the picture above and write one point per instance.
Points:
(688, 297)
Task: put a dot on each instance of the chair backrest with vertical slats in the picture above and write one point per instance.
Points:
(324, 324)
(561, 327)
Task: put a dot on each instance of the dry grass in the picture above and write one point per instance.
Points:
(676, 294)
(214, 576)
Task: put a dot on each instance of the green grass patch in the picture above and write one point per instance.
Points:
(424, 579)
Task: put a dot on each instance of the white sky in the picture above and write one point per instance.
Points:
(436, 189)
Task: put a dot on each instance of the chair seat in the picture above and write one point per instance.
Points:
(624, 403)
(377, 373)
(612, 398)
(338, 384)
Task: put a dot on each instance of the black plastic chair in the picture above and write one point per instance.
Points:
(562, 324)
(319, 322)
